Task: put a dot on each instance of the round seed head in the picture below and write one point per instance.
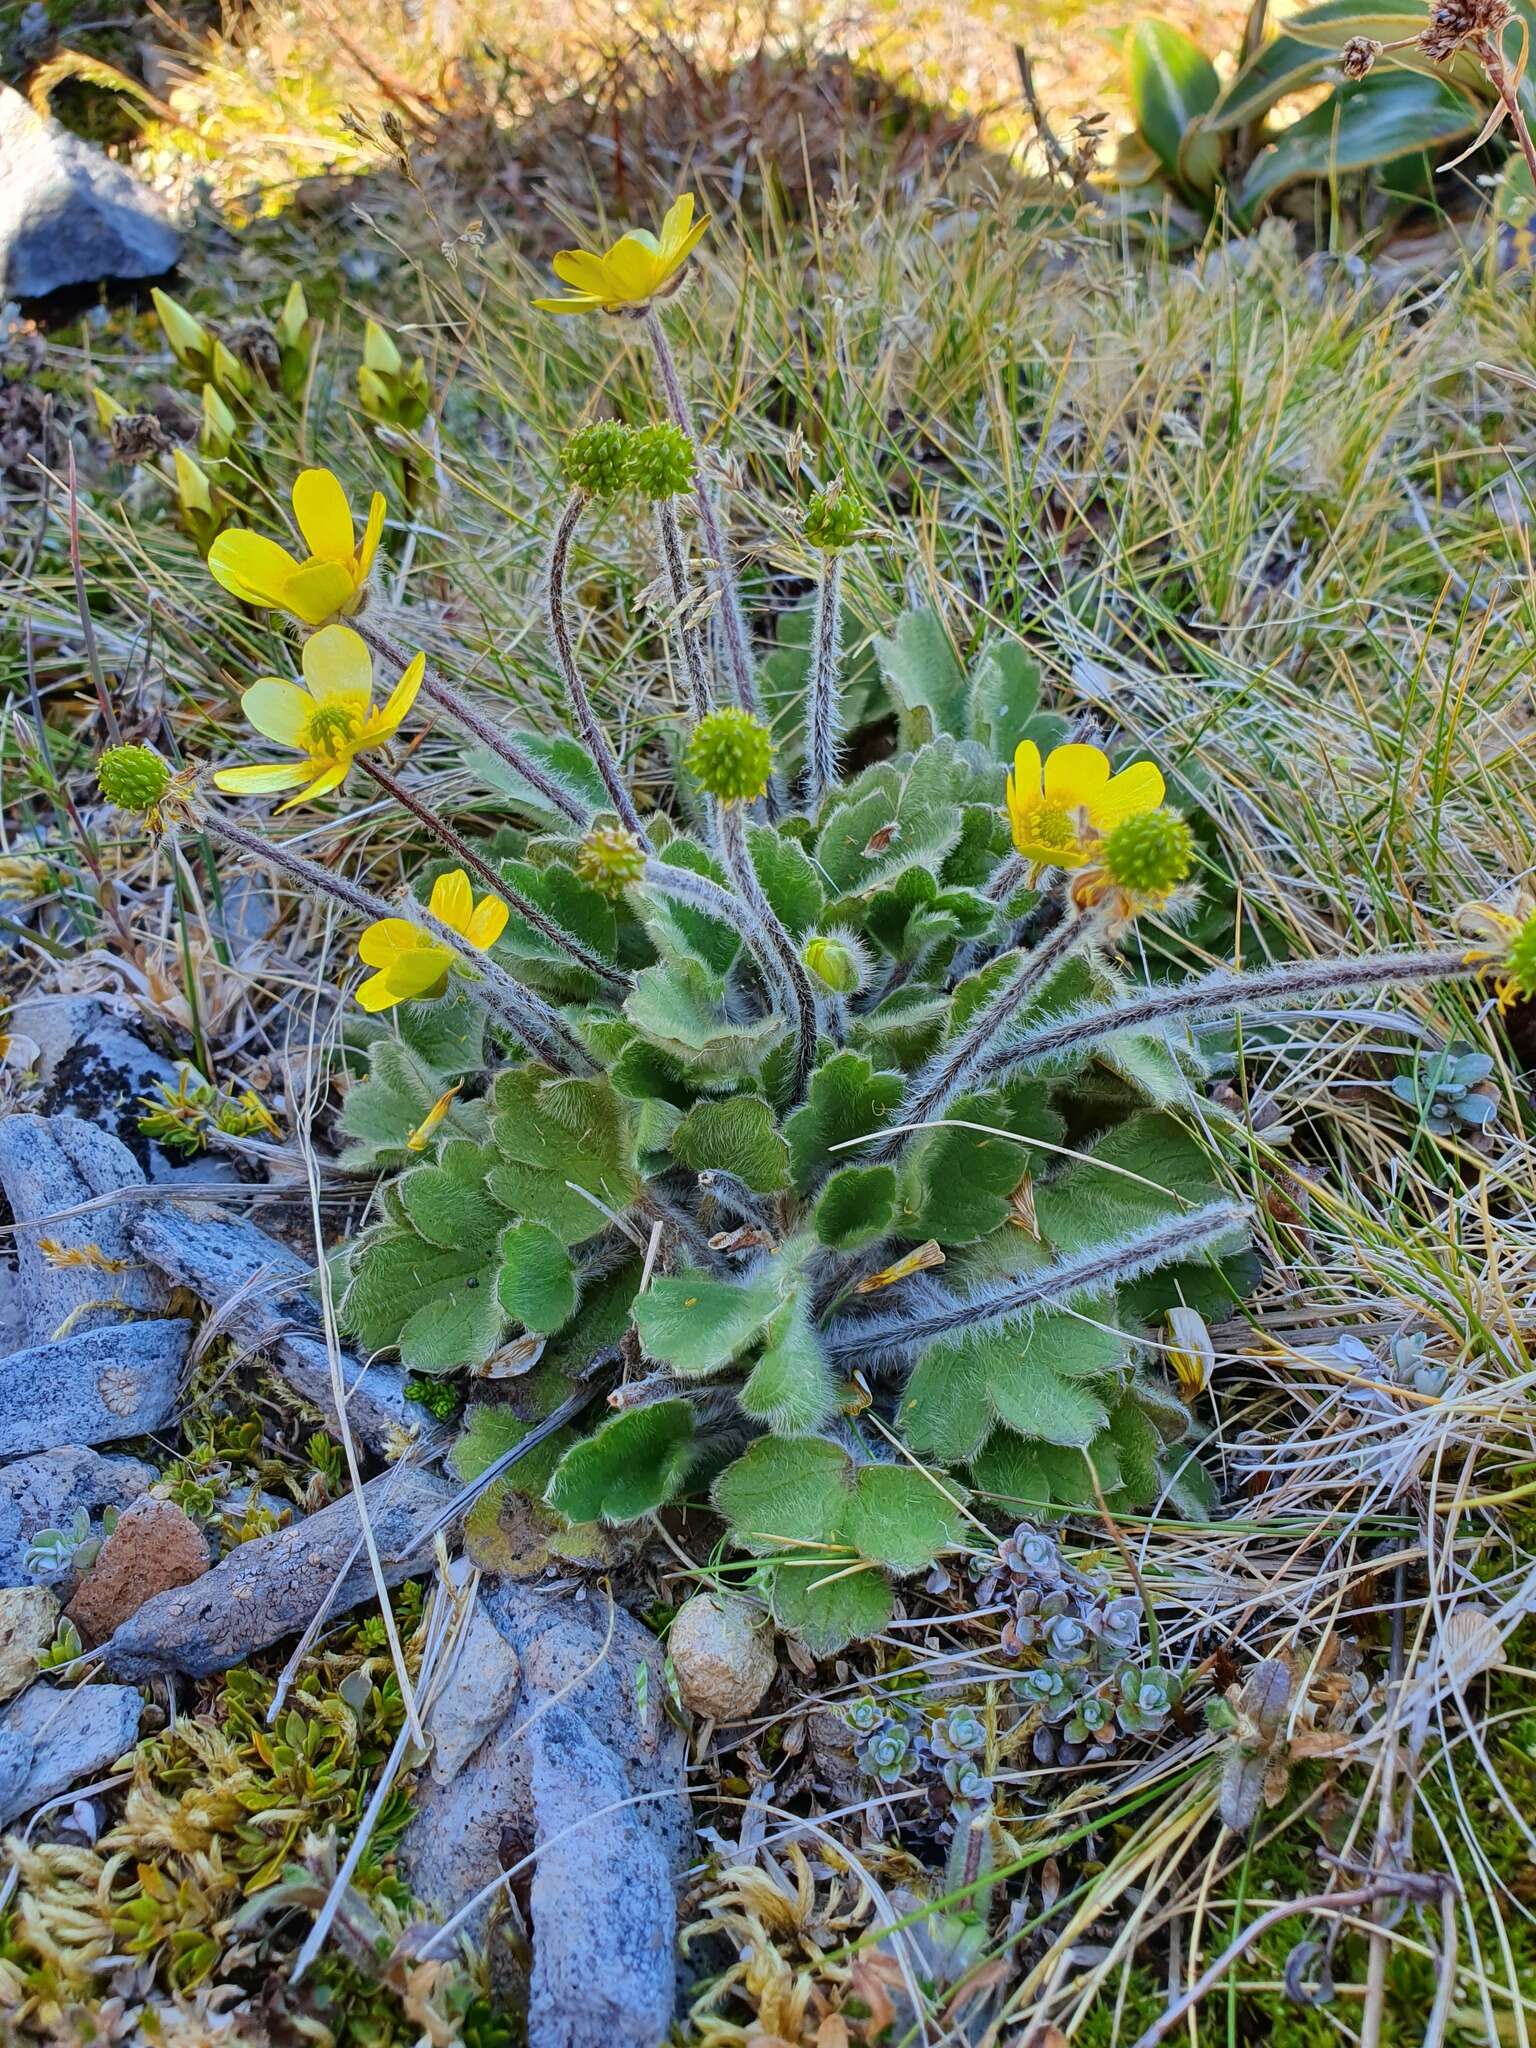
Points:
(596, 459)
(609, 859)
(661, 462)
(730, 755)
(1150, 853)
(133, 778)
(1358, 56)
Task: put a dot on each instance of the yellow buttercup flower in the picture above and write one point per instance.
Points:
(411, 963)
(329, 583)
(1060, 808)
(638, 268)
(328, 725)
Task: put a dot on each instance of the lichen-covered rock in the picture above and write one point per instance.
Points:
(481, 1685)
(74, 1268)
(52, 1738)
(91, 1387)
(28, 1617)
(722, 1652)
(274, 1587)
(47, 1492)
(584, 1773)
(155, 1546)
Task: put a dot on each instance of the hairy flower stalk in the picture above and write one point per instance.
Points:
(496, 742)
(1220, 995)
(733, 624)
(701, 697)
(737, 857)
(823, 719)
(700, 893)
(893, 1338)
(592, 734)
(465, 854)
(535, 1024)
(965, 1059)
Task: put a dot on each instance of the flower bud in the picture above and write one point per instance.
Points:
(133, 778)
(216, 436)
(730, 755)
(837, 960)
(1190, 1352)
(596, 459)
(661, 462)
(191, 343)
(380, 353)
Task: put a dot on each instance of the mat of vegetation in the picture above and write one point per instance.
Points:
(939, 1047)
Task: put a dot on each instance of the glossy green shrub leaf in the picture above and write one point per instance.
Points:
(1309, 44)
(1172, 85)
(1360, 125)
(633, 1464)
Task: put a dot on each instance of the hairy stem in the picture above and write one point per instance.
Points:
(700, 696)
(1223, 995)
(733, 625)
(463, 712)
(700, 893)
(823, 721)
(525, 907)
(537, 1027)
(738, 861)
(965, 1059)
(1084, 1275)
(593, 736)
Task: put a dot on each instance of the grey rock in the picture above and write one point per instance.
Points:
(276, 1585)
(50, 1740)
(53, 1165)
(92, 1387)
(586, 1773)
(44, 1492)
(475, 1696)
(68, 214)
(95, 1064)
(260, 1290)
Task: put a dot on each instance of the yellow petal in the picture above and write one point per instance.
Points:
(1075, 775)
(279, 711)
(403, 695)
(675, 224)
(382, 944)
(580, 269)
(330, 777)
(318, 591)
(632, 271)
(423, 971)
(325, 519)
(1025, 781)
(262, 780)
(371, 533)
(1126, 795)
(586, 304)
(453, 900)
(679, 256)
(252, 567)
(337, 664)
(376, 994)
(487, 923)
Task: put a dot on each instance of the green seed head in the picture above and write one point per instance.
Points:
(730, 755)
(661, 462)
(596, 459)
(1150, 853)
(133, 778)
(835, 518)
(609, 859)
(837, 960)
(1520, 960)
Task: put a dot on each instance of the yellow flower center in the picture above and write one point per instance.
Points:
(332, 729)
(1051, 826)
